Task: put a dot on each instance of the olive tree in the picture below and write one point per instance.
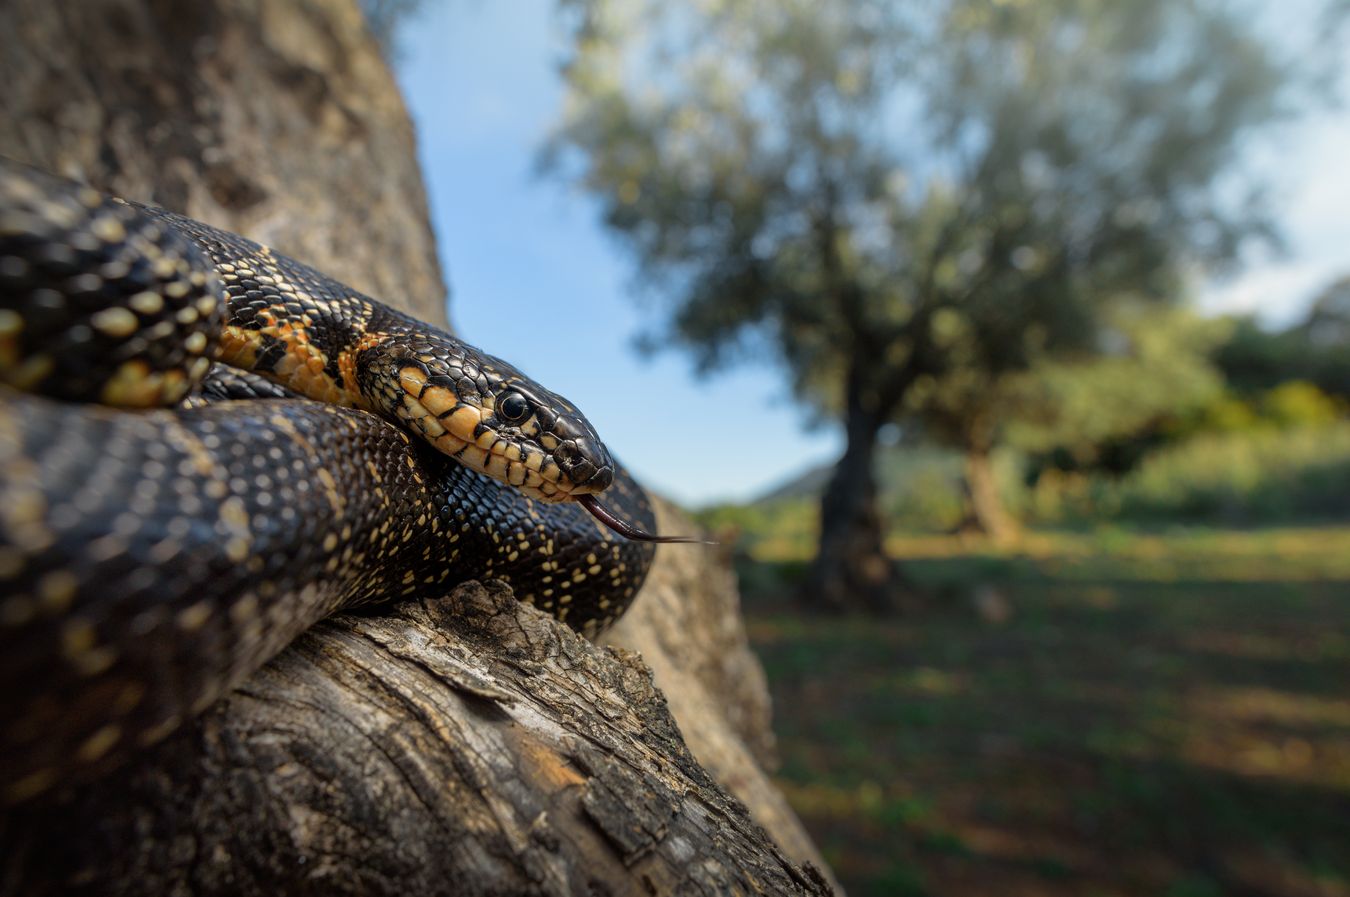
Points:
(883, 194)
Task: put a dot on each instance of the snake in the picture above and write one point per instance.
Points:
(206, 447)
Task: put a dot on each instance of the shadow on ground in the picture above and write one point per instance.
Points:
(1126, 729)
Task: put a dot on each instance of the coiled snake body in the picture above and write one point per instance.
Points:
(153, 555)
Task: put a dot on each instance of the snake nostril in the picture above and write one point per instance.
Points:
(601, 480)
(583, 464)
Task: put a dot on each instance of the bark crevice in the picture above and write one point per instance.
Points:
(577, 779)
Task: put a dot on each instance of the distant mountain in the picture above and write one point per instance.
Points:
(807, 484)
(900, 470)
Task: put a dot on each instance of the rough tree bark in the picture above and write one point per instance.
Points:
(687, 626)
(465, 745)
(468, 745)
(278, 120)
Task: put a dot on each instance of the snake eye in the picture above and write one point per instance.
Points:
(513, 407)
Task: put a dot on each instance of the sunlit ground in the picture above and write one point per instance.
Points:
(1103, 713)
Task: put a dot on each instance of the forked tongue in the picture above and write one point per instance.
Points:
(628, 531)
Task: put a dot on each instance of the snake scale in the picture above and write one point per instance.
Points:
(169, 521)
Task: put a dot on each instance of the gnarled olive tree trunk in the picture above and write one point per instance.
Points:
(277, 120)
(466, 745)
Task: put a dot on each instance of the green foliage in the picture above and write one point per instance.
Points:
(1256, 476)
(1275, 456)
(923, 487)
(1316, 349)
(1228, 413)
(1282, 456)
(1254, 358)
(765, 529)
(1293, 403)
(921, 491)
(1194, 886)
(1152, 374)
(1298, 403)
(885, 190)
(1157, 371)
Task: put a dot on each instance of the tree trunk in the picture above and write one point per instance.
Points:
(276, 120)
(467, 745)
(985, 514)
(851, 570)
(417, 752)
(984, 511)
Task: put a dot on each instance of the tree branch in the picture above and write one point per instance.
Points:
(467, 745)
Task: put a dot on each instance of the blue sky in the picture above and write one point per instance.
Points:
(535, 279)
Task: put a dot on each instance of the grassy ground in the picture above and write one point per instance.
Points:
(1157, 715)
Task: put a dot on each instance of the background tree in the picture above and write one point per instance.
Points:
(1151, 369)
(878, 193)
(1315, 348)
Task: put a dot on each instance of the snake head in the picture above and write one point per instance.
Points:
(552, 438)
(486, 414)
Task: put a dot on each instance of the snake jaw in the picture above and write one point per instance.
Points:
(495, 422)
(586, 465)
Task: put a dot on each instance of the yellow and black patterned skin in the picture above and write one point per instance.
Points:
(152, 557)
(101, 303)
